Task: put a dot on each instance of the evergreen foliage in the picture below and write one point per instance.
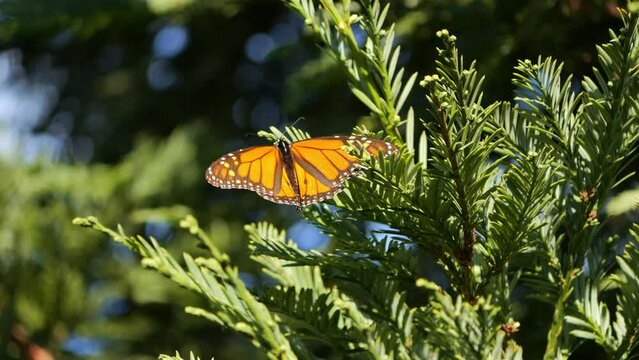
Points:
(504, 197)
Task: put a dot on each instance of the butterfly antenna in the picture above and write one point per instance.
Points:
(298, 120)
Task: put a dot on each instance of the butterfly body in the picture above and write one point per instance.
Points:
(288, 161)
(299, 173)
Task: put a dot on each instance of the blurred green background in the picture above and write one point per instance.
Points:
(115, 109)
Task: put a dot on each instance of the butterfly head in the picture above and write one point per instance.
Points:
(283, 145)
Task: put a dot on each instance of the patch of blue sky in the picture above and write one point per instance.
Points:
(307, 236)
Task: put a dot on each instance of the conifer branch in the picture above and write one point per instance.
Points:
(461, 156)
(554, 348)
(592, 319)
(372, 67)
(626, 325)
(595, 135)
(232, 304)
(456, 327)
(316, 313)
(525, 191)
(466, 254)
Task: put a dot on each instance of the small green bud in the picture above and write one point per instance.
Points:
(85, 222)
(189, 222)
(442, 33)
(427, 79)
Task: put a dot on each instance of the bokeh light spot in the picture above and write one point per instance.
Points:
(83, 346)
(360, 35)
(170, 41)
(265, 114)
(258, 47)
(161, 75)
(158, 229)
(115, 306)
(248, 279)
(284, 34)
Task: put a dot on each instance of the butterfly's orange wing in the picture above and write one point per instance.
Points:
(323, 164)
(257, 168)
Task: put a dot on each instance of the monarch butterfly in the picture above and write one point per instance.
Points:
(299, 173)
